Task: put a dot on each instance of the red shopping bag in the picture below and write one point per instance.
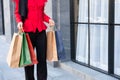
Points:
(32, 53)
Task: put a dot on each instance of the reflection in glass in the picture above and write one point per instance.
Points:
(82, 44)
(99, 11)
(83, 11)
(117, 11)
(99, 46)
(117, 50)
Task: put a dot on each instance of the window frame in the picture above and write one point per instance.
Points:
(2, 10)
(111, 28)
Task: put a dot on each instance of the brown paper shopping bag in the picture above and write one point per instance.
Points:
(13, 56)
(51, 46)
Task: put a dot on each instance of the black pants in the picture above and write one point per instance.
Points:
(39, 42)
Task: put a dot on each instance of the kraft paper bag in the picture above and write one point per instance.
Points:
(25, 58)
(13, 56)
(51, 46)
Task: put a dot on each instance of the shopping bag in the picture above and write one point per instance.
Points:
(32, 53)
(13, 56)
(60, 46)
(25, 58)
(51, 46)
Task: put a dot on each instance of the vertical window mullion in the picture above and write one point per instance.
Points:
(1, 1)
(72, 30)
(89, 32)
(111, 38)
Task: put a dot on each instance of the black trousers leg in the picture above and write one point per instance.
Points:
(39, 41)
(41, 44)
(29, 70)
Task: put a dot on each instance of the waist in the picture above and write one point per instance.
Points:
(32, 26)
(35, 16)
(34, 20)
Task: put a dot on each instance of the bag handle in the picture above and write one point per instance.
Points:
(20, 31)
(51, 28)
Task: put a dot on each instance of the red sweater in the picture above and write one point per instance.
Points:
(35, 17)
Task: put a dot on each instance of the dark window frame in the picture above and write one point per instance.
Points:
(1, 1)
(111, 28)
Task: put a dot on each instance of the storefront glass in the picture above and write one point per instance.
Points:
(99, 46)
(117, 50)
(98, 11)
(82, 43)
(117, 38)
(92, 35)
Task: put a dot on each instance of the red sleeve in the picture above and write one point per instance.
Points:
(46, 18)
(16, 12)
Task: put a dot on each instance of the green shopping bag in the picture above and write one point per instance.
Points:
(25, 58)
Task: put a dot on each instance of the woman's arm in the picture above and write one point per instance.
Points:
(17, 16)
(46, 18)
(49, 20)
(16, 12)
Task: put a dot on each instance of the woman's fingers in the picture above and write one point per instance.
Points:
(51, 22)
(20, 26)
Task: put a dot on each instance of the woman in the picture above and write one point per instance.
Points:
(30, 17)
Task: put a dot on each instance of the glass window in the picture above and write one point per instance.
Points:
(82, 33)
(99, 11)
(117, 38)
(92, 35)
(117, 50)
(82, 43)
(83, 11)
(117, 11)
(99, 46)
(98, 33)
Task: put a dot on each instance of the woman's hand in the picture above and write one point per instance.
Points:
(51, 22)
(20, 27)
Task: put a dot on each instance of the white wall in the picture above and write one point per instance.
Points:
(48, 8)
(7, 22)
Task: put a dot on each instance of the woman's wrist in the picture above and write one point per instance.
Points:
(51, 22)
(20, 26)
